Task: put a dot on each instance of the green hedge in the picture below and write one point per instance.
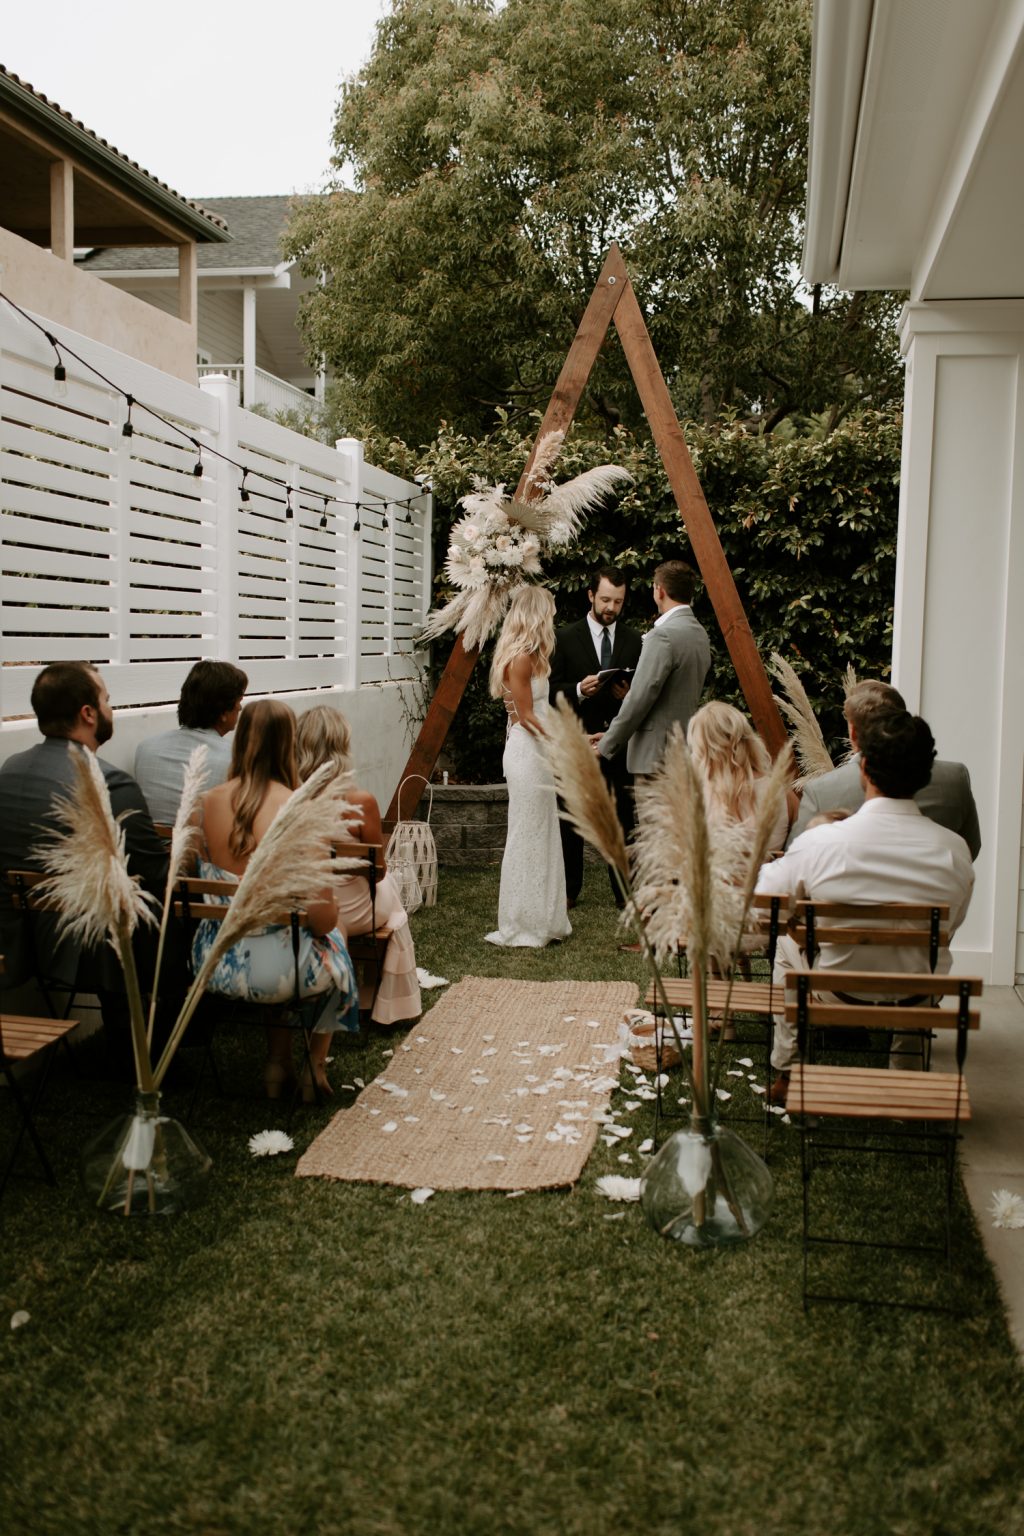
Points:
(808, 527)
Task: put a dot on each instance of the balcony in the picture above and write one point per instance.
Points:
(269, 393)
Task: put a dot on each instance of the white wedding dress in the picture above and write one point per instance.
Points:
(531, 902)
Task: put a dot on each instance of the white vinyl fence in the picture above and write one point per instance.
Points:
(114, 550)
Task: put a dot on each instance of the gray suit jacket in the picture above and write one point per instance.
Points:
(946, 799)
(666, 687)
(29, 783)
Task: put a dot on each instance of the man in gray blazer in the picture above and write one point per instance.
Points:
(72, 708)
(669, 676)
(947, 798)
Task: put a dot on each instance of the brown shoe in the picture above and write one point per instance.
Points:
(779, 1089)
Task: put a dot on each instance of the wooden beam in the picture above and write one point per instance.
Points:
(562, 407)
(697, 519)
(62, 210)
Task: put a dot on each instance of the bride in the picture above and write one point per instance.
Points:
(531, 902)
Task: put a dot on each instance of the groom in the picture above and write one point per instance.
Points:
(596, 643)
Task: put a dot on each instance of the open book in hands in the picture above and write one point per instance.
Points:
(616, 674)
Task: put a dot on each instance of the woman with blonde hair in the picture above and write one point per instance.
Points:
(734, 766)
(234, 818)
(532, 908)
(323, 736)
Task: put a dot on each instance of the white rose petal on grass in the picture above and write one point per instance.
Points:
(723, 1094)
(1007, 1209)
(616, 1216)
(661, 1081)
(421, 1195)
(734, 1074)
(609, 1141)
(614, 1186)
(513, 1194)
(620, 1131)
(384, 1053)
(759, 1088)
(744, 1061)
(631, 1105)
(270, 1143)
(389, 1126)
(359, 1082)
(625, 1157)
(429, 982)
(19, 1319)
(646, 1146)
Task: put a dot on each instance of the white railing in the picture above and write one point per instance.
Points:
(269, 392)
(115, 551)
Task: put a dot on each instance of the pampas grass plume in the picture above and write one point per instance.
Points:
(589, 803)
(811, 751)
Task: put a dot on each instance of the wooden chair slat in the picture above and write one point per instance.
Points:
(826, 1015)
(891, 982)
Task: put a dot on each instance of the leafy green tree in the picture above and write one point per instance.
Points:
(808, 526)
(497, 153)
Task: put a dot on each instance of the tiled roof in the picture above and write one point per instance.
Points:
(256, 224)
(22, 96)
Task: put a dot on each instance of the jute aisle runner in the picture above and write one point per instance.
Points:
(497, 1087)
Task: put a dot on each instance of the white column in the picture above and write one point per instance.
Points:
(225, 391)
(958, 644)
(248, 344)
(350, 486)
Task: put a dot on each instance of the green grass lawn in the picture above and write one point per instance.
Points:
(307, 1356)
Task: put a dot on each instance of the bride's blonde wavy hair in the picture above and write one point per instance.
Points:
(730, 758)
(528, 630)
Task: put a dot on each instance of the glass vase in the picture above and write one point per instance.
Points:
(144, 1164)
(706, 1188)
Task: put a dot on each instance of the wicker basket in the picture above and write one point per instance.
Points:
(412, 855)
(641, 1040)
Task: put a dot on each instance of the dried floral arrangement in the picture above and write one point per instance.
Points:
(500, 541)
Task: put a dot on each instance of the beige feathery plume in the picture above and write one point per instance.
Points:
(89, 882)
(688, 875)
(544, 461)
(811, 751)
(849, 681)
(184, 834)
(559, 515)
(589, 803)
(781, 779)
(291, 866)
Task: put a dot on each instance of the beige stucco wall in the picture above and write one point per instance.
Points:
(43, 283)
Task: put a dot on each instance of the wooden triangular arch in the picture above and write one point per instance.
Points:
(613, 299)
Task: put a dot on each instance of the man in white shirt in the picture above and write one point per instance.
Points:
(211, 697)
(887, 851)
(669, 677)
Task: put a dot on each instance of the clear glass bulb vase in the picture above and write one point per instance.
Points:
(144, 1164)
(706, 1188)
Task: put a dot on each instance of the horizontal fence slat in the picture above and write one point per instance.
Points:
(16, 438)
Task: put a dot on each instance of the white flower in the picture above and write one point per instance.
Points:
(19, 1319)
(1007, 1209)
(418, 1196)
(270, 1143)
(615, 1187)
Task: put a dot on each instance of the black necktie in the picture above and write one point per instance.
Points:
(606, 649)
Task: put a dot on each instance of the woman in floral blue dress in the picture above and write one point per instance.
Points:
(234, 817)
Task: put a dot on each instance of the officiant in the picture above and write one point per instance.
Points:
(599, 643)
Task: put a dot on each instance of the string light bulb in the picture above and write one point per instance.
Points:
(357, 524)
(289, 511)
(127, 430)
(60, 373)
(242, 492)
(384, 521)
(197, 468)
(323, 516)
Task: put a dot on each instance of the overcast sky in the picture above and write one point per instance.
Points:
(215, 97)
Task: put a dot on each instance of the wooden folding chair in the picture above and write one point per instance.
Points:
(28, 902)
(856, 1108)
(890, 924)
(24, 1039)
(755, 1000)
(197, 900)
(367, 949)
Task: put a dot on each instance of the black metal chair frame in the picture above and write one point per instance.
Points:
(937, 1139)
(264, 1015)
(27, 905)
(26, 1104)
(771, 927)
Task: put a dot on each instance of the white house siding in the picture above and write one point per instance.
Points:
(220, 324)
(958, 650)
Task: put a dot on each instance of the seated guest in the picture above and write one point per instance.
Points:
(323, 735)
(946, 798)
(734, 767)
(887, 851)
(211, 697)
(72, 708)
(234, 817)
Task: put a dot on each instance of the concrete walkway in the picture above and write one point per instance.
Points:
(993, 1146)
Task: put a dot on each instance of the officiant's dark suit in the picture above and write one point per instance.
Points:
(577, 656)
